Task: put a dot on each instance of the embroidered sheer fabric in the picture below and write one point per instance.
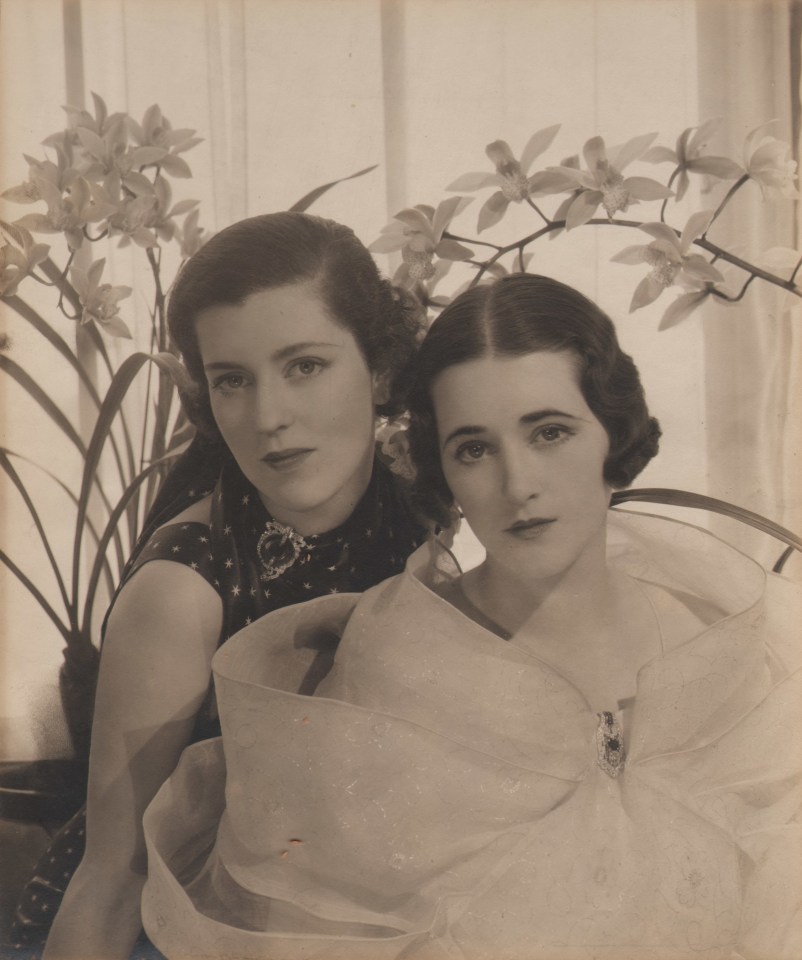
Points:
(447, 794)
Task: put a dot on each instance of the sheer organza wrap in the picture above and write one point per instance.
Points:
(441, 795)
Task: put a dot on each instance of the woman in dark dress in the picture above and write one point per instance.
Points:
(293, 344)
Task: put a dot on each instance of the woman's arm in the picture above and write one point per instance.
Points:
(154, 674)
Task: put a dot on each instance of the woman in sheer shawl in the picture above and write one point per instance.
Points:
(587, 746)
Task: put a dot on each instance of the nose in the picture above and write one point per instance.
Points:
(274, 409)
(521, 480)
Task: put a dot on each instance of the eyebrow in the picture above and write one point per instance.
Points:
(282, 354)
(472, 430)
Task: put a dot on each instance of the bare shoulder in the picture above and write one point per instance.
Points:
(167, 609)
(166, 600)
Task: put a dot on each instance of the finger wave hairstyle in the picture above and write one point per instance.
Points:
(277, 249)
(514, 316)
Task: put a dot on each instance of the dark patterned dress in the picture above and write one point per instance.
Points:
(256, 565)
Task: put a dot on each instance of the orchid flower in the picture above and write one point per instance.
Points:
(68, 213)
(418, 233)
(17, 259)
(133, 213)
(61, 174)
(393, 440)
(671, 262)
(103, 143)
(100, 300)
(163, 211)
(688, 156)
(191, 236)
(131, 222)
(603, 183)
(511, 176)
(111, 154)
(156, 131)
(100, 123)
(768, 162)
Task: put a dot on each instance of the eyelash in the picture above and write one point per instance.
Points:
(224, 386)
(461, 453)
(319, 365)
(565, 433)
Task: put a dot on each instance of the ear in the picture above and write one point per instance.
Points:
(381, 388)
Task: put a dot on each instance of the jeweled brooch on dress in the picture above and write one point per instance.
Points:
(278, 549)
(609, 744)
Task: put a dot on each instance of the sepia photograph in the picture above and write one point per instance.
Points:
(401, 490)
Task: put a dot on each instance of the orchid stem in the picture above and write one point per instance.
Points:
(729, 195)
(477, 243)
(537, 210)
(38, 279)
(738, 296)
(718, 252)
(664, 204)
(63, 280)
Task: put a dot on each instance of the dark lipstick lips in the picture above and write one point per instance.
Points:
(284, 456)
(528, 525)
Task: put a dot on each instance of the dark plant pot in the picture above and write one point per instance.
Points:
(77, 682)
(42, 791)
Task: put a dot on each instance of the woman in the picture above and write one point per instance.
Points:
(585, 747)
(293, 344)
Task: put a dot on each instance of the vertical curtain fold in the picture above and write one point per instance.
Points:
(394, 103)
(752, 354)
(218, 140)
(238, 150)
(226, 78)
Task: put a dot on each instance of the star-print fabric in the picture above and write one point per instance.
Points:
(256, 565)
(260, 565)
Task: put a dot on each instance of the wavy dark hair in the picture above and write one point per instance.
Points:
(277, 249)
(513, 316)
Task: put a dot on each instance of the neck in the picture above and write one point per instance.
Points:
(514, 596)
(333, 512)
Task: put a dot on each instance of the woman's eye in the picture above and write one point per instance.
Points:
(229, 381)
(551, 434)
(471, 452)
(307, 367)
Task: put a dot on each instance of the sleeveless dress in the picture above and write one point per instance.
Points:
(447, 794)
(256, 565)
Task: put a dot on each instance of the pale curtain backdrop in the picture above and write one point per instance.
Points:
(289, 94)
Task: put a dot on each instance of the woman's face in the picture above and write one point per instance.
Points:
(294, 400)
(523, 455)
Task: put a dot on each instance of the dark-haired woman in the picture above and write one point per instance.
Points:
(293, 344)
(586, 747)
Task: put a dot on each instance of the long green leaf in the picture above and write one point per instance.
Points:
(63, 486)
(306, 201)
(56, 340)
(17, 481)
(61, 345)
(165, 394)
(40, 396)
(36, 593)
(118, 388)
(118, 511)
(32, 388)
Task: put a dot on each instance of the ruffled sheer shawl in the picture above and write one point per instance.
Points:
(442, 791)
